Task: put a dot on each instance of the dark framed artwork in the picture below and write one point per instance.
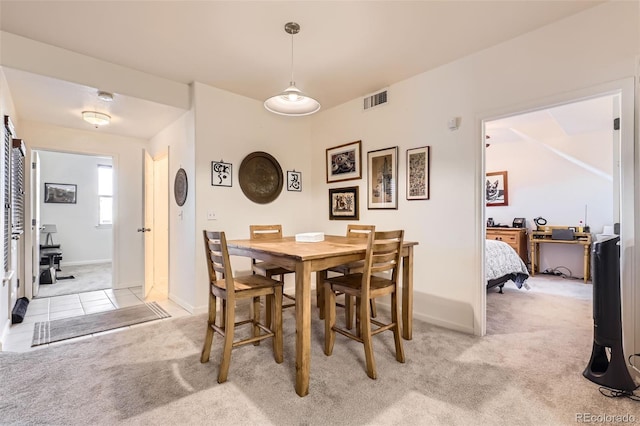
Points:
(344, 162)
(343, 203)
(497, 189)
(382, 181)
(60, 193)
(294, 181)
(418, 173)
(221, 173)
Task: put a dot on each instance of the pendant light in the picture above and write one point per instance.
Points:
(292, 101)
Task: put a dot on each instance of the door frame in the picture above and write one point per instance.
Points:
(29, 260)
(625, 88)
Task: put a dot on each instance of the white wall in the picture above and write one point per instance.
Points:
(128, 260)
(161, 223)
(543, 183)
(81, 240)
(594, 47)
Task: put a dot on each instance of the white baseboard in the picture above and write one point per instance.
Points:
(85, 262)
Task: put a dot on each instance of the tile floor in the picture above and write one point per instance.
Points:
(20, 335)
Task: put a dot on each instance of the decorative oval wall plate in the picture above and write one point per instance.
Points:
(261, 178)
(180, 187)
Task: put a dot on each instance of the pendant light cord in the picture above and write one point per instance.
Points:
(292, 80)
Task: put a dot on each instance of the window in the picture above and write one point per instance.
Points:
(105, 194)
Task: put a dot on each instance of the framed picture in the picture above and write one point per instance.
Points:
(344, 162)
(418, 173)
(221, 173)
(61, 193)
(343, 203)
(496, 189)
(294, 181)
(382, 182)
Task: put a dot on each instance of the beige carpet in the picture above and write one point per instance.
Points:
(528, 371)
(87, 278)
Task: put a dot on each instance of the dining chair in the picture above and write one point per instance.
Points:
(353, 231)
(223, 285)
(268, 269)
(383, 255)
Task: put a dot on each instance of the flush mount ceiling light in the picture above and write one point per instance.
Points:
(96, 118)
(105, 96)
(292, 101)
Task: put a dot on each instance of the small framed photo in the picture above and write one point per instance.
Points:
(294, 181)
(343, 203)
(60, 193)
(418, 173)
(382, 182)
(221, 173)
(344, 162)
(497, 189)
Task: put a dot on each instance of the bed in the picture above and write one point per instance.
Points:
(502, 264)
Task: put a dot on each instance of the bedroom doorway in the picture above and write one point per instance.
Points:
(562, 207)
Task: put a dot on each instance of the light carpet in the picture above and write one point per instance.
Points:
(68, 328)
(91, 277)
(527, 371)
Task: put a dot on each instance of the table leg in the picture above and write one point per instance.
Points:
(534, 257)
(587, 250)
(321, 276)
(303, 327)
(407, 294)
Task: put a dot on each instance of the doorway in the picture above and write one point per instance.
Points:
(74, 209)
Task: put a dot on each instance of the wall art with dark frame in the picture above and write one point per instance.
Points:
(343, 203)
(344, 162)
(497, 189)
(382, 178)
(221, 173)
(60, 193)
(294, 181)
(418, 173)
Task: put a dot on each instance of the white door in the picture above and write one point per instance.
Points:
(147, 227)
(35, 223)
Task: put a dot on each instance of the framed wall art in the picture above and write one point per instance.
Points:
(343, 203)
(382, 178)
(418, 173)
(60, 193)
(294, 181)
(497, 189)
(221, 173)
(344, 162)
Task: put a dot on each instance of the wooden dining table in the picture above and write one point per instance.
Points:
(307, 257)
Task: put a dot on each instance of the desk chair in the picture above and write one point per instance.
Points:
(384, 252)
(268, 269)
(223, 285)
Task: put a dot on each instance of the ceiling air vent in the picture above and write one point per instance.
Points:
(375, 100)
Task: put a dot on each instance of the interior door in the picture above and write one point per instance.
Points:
(147, 228)
(35, 222)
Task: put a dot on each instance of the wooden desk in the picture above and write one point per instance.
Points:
(306, 258)
(540, 237)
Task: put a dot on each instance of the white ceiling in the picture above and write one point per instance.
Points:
(346, 49)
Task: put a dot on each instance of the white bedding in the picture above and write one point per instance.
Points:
(502, 260)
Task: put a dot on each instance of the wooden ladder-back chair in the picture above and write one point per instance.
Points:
(384, 252)
(230, 289)
(268, 269)
(353, 231)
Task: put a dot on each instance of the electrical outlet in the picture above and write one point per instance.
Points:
(211, 216)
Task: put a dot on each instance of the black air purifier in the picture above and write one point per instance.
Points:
(607, 366)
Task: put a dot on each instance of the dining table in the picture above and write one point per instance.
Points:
(307, 257)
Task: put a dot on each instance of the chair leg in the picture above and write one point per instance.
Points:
(208, 339)
(255, 309)
(358, 322)
(277, 325)
(365, 328)
(348, 311)
(228, 342)
(396, 330)
(329, 319)
(320, 277)
(268, 307)
(374, 311)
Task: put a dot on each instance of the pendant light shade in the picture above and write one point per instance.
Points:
(96, 118)
(292, 101)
